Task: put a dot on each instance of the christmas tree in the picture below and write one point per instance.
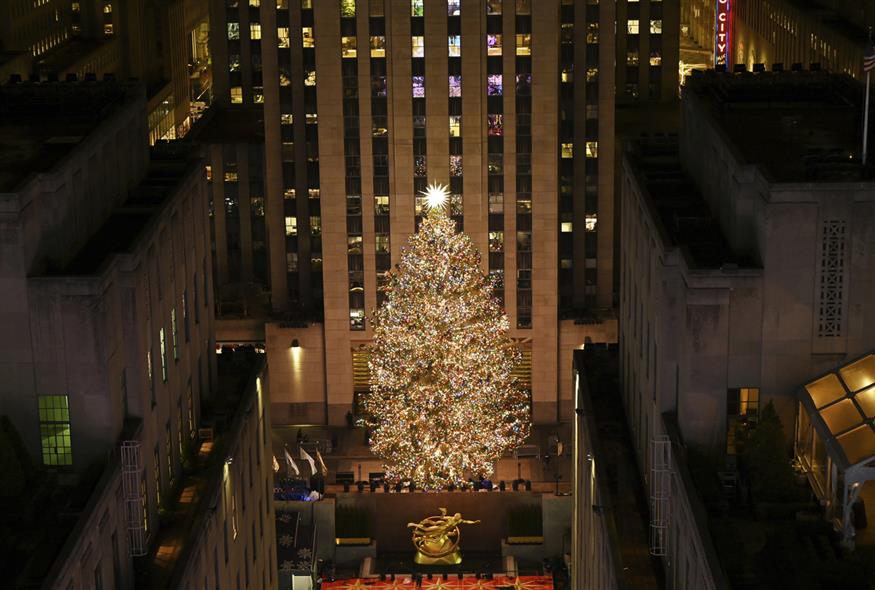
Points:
(443, 404)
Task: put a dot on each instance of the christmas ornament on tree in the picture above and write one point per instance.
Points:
(443, 404)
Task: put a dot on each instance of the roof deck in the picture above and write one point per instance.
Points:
(42, 122)
(120, 232)
(802, 126)
(683, 215)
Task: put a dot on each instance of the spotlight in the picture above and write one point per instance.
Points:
(295, 343)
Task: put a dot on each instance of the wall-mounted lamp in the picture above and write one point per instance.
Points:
(295, 343)
(229, 459)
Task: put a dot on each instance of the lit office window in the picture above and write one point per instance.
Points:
(655, 58)
(592, 149)
(255, 31)
(495, 125)
(417, 46)
(632, 27)
(566, 227)
(348, 47)
(455, 86)
(656, 27)
(347, 8)
(315, 225)
(381, 205)
(454, 7)
(418, 86)
(524, 44)
(568, 150)
(174, 334)
(591, 221)
(282, 34)
(496, 241)
(291, 226)
(236, 94)
(54, 425)
(455, 165)
(455, 126)
(496, 203)
(454, 45)
(357, 319)
(493, 6)
(310, 77)
(307, 39)
(417, 7)
(494, 85)
(378, 46)
(592, 32)
(162, 343)
(493, 44)
(233, 31)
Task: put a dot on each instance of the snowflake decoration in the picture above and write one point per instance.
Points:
(287, 540)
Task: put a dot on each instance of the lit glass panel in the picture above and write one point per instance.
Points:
(858, 444)
(825, 390)
(841, 416)
(859, 374)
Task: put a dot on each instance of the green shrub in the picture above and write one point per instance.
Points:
(766, 461)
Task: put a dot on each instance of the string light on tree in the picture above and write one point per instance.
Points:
(443, 404)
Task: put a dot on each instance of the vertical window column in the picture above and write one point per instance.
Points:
(417, 63)
(380, 145)
(352, 172)
(566, 157)
(495, 145)
(454, 96)
(524, 173)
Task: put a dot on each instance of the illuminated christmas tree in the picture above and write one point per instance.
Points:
(443, 405)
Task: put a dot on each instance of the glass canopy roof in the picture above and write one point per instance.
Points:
(845, 402)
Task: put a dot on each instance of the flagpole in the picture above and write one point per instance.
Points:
(866, 119)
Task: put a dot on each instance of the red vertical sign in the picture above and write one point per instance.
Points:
(722, 31)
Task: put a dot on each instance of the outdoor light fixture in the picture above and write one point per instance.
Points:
(295, 343)
(229, 459)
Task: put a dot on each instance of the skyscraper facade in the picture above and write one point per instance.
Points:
(510, 104)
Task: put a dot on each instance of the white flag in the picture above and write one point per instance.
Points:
(276, 465)
(306, 455)
(322, 465)
(290, 463)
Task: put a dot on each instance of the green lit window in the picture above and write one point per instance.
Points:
(417, 7)
(54, 425)
(347, 8)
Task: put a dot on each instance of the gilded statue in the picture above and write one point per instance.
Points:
(436, 538)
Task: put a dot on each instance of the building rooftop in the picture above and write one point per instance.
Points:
(685, 219)
(42, 122)
(120, 231)
(69, 53)
(230, 125)
(801, 126)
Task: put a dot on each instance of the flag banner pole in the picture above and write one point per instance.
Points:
(866, 119)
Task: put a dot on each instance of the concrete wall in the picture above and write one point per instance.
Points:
(48, 219)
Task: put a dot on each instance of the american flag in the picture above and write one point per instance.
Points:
(869, 59)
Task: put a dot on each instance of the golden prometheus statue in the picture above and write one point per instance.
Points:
(436, 539)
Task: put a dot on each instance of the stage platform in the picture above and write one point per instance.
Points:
(466, 583)
(472, 563)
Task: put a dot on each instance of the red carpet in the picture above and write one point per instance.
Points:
(518, 583)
